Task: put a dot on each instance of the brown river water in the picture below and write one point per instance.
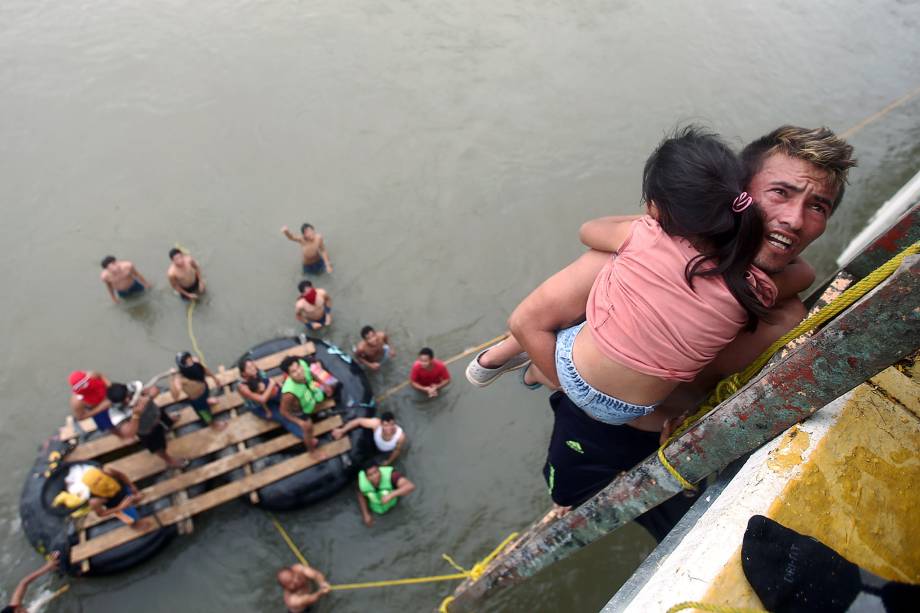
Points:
(448, 151)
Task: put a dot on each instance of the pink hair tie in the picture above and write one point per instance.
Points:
(742, 202)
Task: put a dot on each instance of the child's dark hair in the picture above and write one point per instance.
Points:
(693, 178)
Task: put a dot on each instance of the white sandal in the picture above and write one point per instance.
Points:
(480, 376)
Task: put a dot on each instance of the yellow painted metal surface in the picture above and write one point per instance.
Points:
(858, 492)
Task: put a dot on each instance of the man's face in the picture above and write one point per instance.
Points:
(370, 338)
(795, 199)
(425, 361)
(309, 233)
(250, 370)
(388, 427)
(295, 372)
(112, 267)
(178, 260)
(373, 474)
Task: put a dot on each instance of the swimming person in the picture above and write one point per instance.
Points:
(379, 489)
(299, 396)
(374, 348)
(184, 275)
(315, 256)
(389, 437)
(296, 582)
(313, 307)
(19, 594)
(428, 374)
(191, 380)
(122, 279)
(680, 288)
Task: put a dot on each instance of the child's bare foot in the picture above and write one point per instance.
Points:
(218, 425)
(143, 524)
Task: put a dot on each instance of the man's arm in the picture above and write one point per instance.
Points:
(403, 487)
(111, 290)
(291, 237)
(81, 412)
(796, 277)
(366, 516)
(362, 422)
(360, 356)
(606, 233)
(208, 373)
(199, 275)
(19, 593)
(557, 302)
(323, 253)
(396, 452)
(327, 299)
(175, 386)
(290, 407)
(174, 283)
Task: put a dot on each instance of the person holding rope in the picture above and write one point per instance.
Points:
(796, 178)
(298, 582)
(184, 275)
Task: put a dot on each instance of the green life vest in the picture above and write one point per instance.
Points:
(307, 393)
(373, 494)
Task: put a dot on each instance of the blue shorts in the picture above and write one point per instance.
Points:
(276, 415)
(316, 268)
(136, 288)
(595, 403)
(321, 322)
(103, 421)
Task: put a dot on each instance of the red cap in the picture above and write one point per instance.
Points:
(90, 389)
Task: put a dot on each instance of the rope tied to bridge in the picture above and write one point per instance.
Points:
(728, 386)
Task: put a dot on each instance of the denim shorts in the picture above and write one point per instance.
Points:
(594, 403)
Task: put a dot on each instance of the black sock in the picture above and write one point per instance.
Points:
(793, 573)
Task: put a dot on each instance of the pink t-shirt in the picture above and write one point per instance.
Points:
(643, 314)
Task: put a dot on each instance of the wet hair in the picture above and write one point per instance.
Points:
(305, 227)
(107, 260)
(817, 146)
(427, 351)
(387, 416)
(287, 362)
(174, 252)
(117, 392)
(366, 330)
(303, 285)
(693, 178)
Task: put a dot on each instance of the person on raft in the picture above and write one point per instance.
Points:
(388, 436)
(122, 279)
(379, 488)
(184, 275)
(191, 380)
(112, 493)
(262, 395)
(19, 594)
(150, 423)
(797, 176)
(88, 398)
(315, 257)
(303, 587)
(429, 375)
(300, 395)
(313, 307)
(374, 348)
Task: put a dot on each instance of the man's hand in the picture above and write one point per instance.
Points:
(374, 365)
(386, 498)
(285, 231)
(54, 559)
(432, 391)
(368, 519)
(338, 433)
(670, 425)
(324, 588)
(136, 498)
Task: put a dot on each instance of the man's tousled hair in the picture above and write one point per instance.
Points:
(817, 146)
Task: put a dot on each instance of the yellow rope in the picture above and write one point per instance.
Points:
(448, 361)
(714, 608)
(191, 332)
(290, 542)
(728, 386)
(862, 124)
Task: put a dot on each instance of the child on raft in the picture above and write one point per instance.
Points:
(679, 286)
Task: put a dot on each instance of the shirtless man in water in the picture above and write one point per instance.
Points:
(315, 256)
(373, 349)
(184, 275)
(296, 582)
(313, 307)
(122, 279)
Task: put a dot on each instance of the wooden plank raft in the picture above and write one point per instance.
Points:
(213, 498)
(225, 377)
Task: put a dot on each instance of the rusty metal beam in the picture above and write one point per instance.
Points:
(870, 336)
(905, 232)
